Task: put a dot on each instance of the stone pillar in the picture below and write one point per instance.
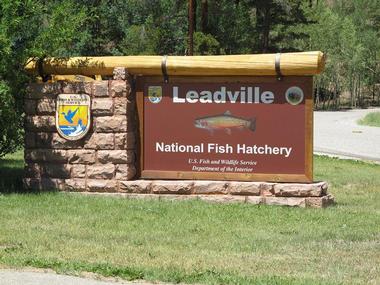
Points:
(101, 160)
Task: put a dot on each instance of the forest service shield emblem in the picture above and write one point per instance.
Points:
(73, 115)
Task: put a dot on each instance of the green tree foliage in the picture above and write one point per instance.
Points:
(205, 44)
(154, 27)
(135, 27)
(31, 28)
(348, 32)
(230, 24)
(10, 133)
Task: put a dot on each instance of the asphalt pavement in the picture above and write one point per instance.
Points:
(339, 134)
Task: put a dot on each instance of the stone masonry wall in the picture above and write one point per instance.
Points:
(100, 161)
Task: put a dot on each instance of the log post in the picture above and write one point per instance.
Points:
(299, 63)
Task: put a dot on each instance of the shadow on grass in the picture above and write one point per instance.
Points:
(11, 174)
(11, 181)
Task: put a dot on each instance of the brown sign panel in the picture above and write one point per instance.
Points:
(226, 128)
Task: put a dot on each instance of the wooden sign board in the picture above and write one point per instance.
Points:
(226, 128)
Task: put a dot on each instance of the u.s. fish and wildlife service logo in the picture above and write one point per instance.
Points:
(73, 115)
(155, 94)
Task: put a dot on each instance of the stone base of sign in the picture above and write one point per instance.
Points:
(282, 194)
(303, 202)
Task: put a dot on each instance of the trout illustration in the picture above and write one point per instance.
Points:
(225, 122)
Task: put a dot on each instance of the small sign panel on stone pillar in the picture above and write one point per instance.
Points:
(73, 118)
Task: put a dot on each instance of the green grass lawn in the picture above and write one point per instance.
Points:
(371, 119)
(197, 242)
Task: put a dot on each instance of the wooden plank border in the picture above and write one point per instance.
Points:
(309, 146)
(139, 93)
(307, 177)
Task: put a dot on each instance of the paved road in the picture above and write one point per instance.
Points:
(337, 133)
(12, 277)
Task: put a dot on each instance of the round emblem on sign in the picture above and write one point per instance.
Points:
(155, 94)
(73, 115)
(294, 95)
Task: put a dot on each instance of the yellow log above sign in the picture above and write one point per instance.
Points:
(299, 63)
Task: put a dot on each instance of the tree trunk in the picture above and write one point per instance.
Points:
(266, 29)
(351, 91)
(360, 95)
(329, 100)
(195, 15)
(317, 100)
(324, 100)
(355, 93)
(263, 21)
(373, 87)
(337, 95)
(204, 16)
(191, 13)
